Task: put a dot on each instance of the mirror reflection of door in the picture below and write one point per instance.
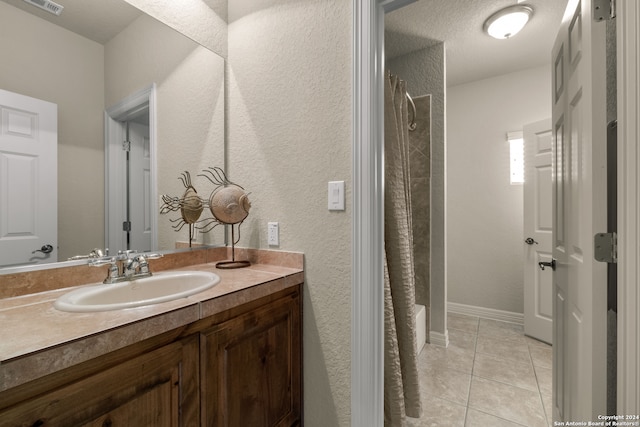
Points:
(130, 174)
(28, 180)
(138, 186)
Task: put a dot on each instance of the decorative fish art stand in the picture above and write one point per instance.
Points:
(228, 203)
(189, 205)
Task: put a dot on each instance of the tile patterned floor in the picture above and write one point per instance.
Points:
(490, 375)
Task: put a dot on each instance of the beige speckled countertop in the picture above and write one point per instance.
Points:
(36, 339)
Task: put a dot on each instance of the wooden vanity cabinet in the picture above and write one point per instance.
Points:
(241, 367)
(154, 389)
(251, 367)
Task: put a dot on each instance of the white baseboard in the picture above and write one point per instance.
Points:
(486, 313)
(439, 339)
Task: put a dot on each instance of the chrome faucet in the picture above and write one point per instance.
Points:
(125, 266)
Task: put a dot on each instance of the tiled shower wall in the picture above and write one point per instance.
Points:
(420, 178)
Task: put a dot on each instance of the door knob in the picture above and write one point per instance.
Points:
(530, 241)
(45, 249)
(551, 264)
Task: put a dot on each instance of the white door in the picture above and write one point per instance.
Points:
(28, 180)
(579, 212)
(139, 187)
(538, 288)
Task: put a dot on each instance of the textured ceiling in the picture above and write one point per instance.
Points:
(470, 53)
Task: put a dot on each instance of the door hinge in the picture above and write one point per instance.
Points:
(126, 145)
(604, 10)
(605, 247)
(126, 226)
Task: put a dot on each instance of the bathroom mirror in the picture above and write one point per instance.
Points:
(107, 52)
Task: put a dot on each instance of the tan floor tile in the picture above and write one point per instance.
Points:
(461, 339)
(444, 383)
(542, 356)
(462, 322)
(544, 378)
(533, 341)
(547, 403)
(502, 330)
(454, 358)
(507, 402)
(498, 369)
(499, 356)
(480, 419)
(437, 412)
(511, 350)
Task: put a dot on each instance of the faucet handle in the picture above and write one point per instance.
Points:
(125, 254)
(97, 262)
(112, 274)
(143, 265)
(144, 256)
(97, 253)
(143, 261)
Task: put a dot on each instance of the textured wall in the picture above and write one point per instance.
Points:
(289, 133)
(424, 71)
(190, 107)
(484, 212)
(43, 61)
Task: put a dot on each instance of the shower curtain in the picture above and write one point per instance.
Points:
(401, 384)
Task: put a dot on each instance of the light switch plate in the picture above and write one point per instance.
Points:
(336, 195)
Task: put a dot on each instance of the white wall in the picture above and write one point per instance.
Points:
(190, 109)
(204, 21)
(484, 212)
(289, 133)
(44, 61)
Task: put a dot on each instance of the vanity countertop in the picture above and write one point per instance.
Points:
(36, 339)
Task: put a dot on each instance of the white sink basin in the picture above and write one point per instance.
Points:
(160, 287)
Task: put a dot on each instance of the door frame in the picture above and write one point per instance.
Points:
(114, 165)
(367, 328)
(628, 95)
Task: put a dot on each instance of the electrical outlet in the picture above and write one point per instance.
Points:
(273, 238)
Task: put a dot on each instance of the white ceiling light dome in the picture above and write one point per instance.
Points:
(508, 22)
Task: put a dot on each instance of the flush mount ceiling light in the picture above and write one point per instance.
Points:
(508, 22)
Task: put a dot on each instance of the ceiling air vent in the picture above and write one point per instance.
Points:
(47, 5)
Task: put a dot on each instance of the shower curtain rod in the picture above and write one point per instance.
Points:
(412, 122)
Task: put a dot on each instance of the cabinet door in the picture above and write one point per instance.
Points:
(250, 368)
(145, 391)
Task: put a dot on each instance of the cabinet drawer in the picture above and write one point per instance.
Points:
(142, 391)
